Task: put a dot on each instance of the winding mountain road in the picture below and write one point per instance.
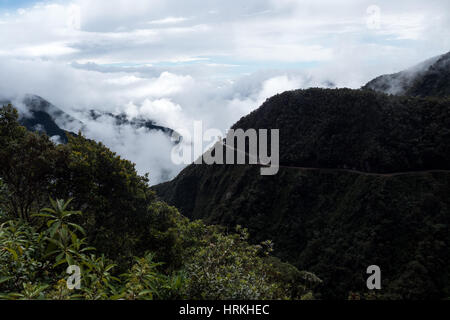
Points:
(393, 174)
(390, 174)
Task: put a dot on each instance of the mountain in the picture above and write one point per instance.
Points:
(429, 78)
(122, 119)
(364, 180)
(37, 114)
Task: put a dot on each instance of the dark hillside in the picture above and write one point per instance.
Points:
(337, 223)
(430, 78)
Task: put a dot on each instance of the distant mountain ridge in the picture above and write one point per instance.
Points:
(429, 78)
(38, 114)
(122, 119)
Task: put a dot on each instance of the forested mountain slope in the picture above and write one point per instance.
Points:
(429, 78)
(337, 223)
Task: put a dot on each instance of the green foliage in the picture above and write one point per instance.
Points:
(229, 268)
(128, 244)
(58, 217)
(143, 281)
(29, 161)
(20, 249)
(114, 198)
(33, 265)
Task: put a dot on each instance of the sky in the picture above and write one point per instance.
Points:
(176, 62)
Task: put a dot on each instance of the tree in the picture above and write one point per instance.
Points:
(115, 199)
(28, 164)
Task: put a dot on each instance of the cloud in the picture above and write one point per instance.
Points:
(150, 31)
(163, 111)
(150, 150)
(169, 20)
(171, 100)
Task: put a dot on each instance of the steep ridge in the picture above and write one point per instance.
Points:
(429, 78)
(337, 221)
(42, 116)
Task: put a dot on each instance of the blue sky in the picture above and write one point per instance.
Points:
(16, 4)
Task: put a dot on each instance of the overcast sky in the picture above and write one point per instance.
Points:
(179, 61)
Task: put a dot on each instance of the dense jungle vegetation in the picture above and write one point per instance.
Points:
(128, 244)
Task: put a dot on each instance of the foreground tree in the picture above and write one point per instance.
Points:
(28, 165)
